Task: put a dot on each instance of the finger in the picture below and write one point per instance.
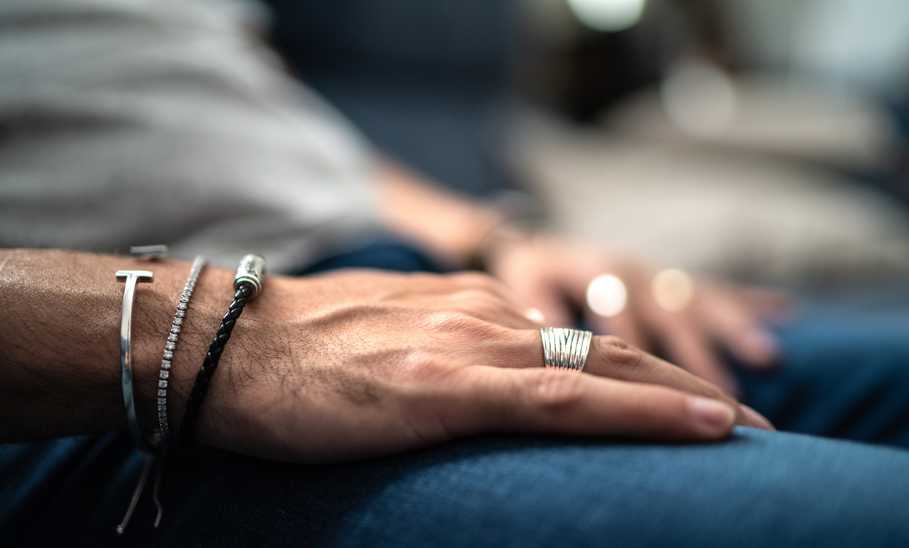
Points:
(767, 303)
(614, 358)
(738, 328)
(549, 301)
(563, 402)
(685, 342)
(623, 325)
(756, 417)
(604, 300)
(691, 349)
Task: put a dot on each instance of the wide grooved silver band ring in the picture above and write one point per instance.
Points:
(565, 348)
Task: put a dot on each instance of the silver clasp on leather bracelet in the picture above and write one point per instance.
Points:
(251, 270)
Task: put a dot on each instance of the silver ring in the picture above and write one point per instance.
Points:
(565, 348)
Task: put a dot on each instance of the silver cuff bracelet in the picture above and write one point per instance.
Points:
(131, 278)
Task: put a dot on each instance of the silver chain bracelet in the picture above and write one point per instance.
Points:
(170, 347)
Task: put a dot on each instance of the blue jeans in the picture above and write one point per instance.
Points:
(758, 489)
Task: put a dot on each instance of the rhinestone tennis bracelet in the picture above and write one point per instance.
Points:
(170, 347)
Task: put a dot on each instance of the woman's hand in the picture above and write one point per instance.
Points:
(554, 275)
(363, 363)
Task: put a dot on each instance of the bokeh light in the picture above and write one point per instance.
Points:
(608, 15)
(606, 295)
(672, 289)
(535, 315)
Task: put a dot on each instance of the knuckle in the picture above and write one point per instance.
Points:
(448, 320)
(554, 390)
(477, 279)
(428, 281)
(483, 330)
(423, 277)
(418, 361)
(422, 367)
(475, 302)
(617, 352)
(613, 342)
(416, 279)
(459, 321)
(474, 295)
(472, 275)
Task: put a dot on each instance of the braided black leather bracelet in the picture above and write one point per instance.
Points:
(248, 283)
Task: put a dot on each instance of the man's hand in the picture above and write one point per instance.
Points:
(554, 275)
(362, 363)
(327, 367)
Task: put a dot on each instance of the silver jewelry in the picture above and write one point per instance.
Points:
(251, 270)
(131, 278)
(565, 348)
(170, 347)
(149, 252)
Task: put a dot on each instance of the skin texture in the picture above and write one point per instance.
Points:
(551, 274)
(331, 367)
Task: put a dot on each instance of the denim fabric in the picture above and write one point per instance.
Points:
(759, 489)
(845, 373)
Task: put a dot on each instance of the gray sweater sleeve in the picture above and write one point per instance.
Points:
(166, 121)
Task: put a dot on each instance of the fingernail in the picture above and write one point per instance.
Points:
(756, 419)
(711, 416)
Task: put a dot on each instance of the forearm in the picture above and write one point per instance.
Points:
(59, 372)
(450, 226)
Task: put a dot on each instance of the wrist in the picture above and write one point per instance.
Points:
(254, 357)
(155, 313)
(60, 373)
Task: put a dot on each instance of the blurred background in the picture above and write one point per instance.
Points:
(762, 140)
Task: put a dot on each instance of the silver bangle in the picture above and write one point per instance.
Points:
(131, 278)
(170, 347)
